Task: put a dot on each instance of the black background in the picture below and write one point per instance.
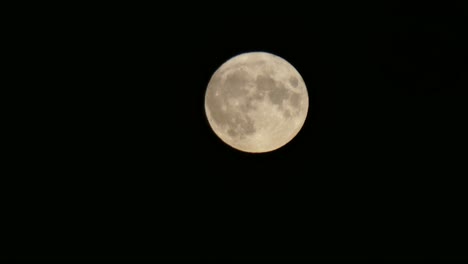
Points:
(119, 161)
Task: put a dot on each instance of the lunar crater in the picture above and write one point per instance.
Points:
(293, 81)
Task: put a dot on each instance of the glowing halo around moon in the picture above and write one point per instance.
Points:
(256, 102)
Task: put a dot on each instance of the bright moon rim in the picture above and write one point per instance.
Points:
(256, 102)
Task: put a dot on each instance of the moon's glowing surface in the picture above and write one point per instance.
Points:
(256, 102)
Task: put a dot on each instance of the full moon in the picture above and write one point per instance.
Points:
(256, 102)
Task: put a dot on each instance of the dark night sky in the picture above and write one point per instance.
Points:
(135, 171)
